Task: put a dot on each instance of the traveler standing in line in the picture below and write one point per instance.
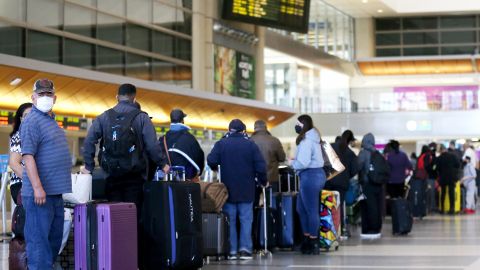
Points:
(341, 182)
(127, 137)
(241, 162)
(371, 206)
(308, 164)
(469, 151)
(468, 181)
(183, 148)
(400, 167)
(15, 159)
(46, 177)
(413, 159)
(447, 167)
(272, 151)
(431, 168)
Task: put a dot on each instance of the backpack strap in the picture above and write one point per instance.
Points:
(166, 149)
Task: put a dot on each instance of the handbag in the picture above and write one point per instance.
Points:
(332, 164)
(81, 189)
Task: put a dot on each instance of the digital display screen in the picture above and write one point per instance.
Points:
(289, 15)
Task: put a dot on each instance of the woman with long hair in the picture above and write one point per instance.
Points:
(308, 164)
(15, 159)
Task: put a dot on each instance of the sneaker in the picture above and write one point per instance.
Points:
(244, 255)
(232, 257)
(370, 236)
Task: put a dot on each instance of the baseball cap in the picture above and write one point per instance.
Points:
(43, 86)
(177, 115)
(236, 125)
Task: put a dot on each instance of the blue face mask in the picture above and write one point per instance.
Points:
(298, 129)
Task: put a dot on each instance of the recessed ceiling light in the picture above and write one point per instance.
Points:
(364, 1)
(15, 81)
(380, 11)
(271, 118)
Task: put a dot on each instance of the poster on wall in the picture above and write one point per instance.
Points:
(446, 98)
(234, 73)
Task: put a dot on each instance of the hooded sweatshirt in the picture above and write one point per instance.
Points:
(368, 147)
(309, 153)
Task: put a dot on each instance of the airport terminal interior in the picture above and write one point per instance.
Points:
(406, 71)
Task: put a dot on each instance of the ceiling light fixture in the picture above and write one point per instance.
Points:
(380, 11)
(15, 81)
(364, 1)
(271, 118)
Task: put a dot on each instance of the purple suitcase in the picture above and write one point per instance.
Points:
(112, 243)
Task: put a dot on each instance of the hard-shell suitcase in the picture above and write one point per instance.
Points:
(458, 199)
(172, 218)
(402, 219)
(100, 233)
(329, 220)
(286, 209)
(265, 223)
(17, 257)
(215, 235)
(417, 197)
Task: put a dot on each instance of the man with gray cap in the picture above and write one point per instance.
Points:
(182, 148)
(241, 162)
(45, 178)
(272, 151)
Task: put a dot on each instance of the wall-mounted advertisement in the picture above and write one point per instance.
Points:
(234, 73)
(445, 98)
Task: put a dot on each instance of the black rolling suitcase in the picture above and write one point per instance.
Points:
(265, 223)
(417, 197)
(216, 233)
(402, 219)
(286, 209)
(172, 220)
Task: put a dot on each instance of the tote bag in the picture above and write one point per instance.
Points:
(81, 189)
(332, 164)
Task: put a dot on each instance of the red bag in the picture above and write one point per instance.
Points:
(421, 172)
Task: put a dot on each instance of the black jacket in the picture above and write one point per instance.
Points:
(447, 166)
(341, 182)
(184, 150)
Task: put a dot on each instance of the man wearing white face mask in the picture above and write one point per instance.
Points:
(45, 178)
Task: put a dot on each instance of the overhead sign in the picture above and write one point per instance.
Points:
(290, 15)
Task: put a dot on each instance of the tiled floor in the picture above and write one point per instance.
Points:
(437, 242)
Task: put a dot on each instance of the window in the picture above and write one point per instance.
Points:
(459, 37)
(79, 20)
(110, 29)
(78, 54)
(167, 16)
(387, 24)
(110, 60)
(458, 50)
(420, 23)
(138, 66)
(387, 39)
(140, 10)
(138, 37)
(457, 22)
(420, 38)
(45, 13)
(388, 52)
(183, 49)
(420, 51)
(43, 47)
(13, 9)
(163, 43)
(116, 7)
(12, 40)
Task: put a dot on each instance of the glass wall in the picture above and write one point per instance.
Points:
(135, 38)
(330, 30)
(420, 36)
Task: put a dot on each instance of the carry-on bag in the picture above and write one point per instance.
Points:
(17, 257)
(417, 197)
(215, 227)
(100, 233)
(264, 226)
(458, 199)
(81, 189)
(18, 221)
(330, 222)
(172, 220)
(216, 232)
(214, 194)
(286, 209)
(402, 219)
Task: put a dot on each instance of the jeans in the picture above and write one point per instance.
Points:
(245, 215)
(431, 202)
(43, 231)
(312, 182)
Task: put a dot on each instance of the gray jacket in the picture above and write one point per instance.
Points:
(368, 147)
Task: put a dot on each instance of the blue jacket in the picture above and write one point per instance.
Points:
(309, 152)
(241, 162)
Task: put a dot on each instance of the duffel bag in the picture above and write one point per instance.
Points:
(214, 196)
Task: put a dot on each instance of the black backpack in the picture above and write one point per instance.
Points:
(121, 151)
(378, 170)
